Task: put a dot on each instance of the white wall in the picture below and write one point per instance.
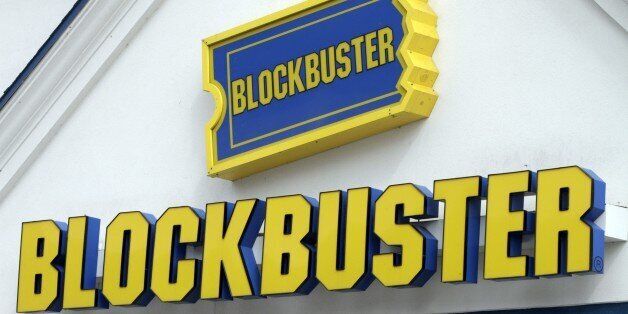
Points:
(24, 26)
(523, 85)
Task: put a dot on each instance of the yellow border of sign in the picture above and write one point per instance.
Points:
(415, 84)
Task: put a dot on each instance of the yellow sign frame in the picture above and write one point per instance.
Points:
(415, 85)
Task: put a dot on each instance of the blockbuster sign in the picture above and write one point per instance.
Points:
(316, 76)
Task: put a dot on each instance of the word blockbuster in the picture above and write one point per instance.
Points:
(334, 241)
(287, 79)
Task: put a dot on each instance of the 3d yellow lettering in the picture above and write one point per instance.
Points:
(506, 222)
(461, 229)
(79, 288)
(175, 278)
(417, 261)
(288, 254)
(40, 274)
(337, 244)
(229, 268)
(126, 270)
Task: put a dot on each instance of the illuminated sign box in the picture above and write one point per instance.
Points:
(316, 76)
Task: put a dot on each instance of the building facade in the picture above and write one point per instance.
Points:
(112, 118)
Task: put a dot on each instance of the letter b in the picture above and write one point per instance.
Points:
(41, 274)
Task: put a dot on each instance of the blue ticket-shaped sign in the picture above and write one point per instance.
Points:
(316, 76)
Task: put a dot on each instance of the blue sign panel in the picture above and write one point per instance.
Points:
(301, 71)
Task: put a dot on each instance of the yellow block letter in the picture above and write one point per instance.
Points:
(328, 64)
(40, 272)
(417, 261)
(567, 240)
(370, 47)
(295, 84)
(238, 97)
(265, 81)
(175, 278)
(357, 49)
(345, 242)
(506, 222)
(251, 102)
(312, 73)
(280, 89)
(126, 269)
(343, 59)
(79, 288)
(229, 268)
(461, 229)
(386, 49)
(288, 256)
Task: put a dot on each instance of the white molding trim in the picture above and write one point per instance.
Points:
(64, 76)
(617, 10)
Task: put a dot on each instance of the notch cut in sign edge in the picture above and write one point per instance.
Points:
(415, 86)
